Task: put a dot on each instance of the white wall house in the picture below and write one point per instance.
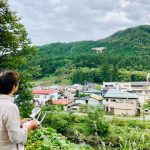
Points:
(42, 96)
(121, 103)
(93, 100)
(99, 49)
(142, 89)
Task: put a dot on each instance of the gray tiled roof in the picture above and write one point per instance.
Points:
(82, 98)
(92, 91)
(142, 83)
(113, 93)
(132, 83)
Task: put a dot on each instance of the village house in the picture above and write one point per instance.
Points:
(99, 49)
(93, 100)
(142, 89)
(119, 102)
(42, 96)
(91, 91)
(77, 87)
(62, 102)
(74, 106)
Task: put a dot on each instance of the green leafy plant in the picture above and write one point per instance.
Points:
(48, 139)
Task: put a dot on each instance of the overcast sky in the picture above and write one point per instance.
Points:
(50, 21)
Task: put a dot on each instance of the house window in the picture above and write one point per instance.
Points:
(120, 100)
(45, 96)
(113, 100)
(52, 96)
(128, 101)
(36, 96)
(126, 85)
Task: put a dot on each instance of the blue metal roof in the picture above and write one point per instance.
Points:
(113, 93)
(92, 91)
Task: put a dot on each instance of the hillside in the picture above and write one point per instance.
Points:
(135, 40)
(126, 56)
(131, 39)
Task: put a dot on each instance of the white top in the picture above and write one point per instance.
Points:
(12, 137)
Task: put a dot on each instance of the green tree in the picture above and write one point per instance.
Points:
(15, 50)
(24, 94)
(98, 123)
(115, 73)
(15, 47)
(105, 72)
(77, 93)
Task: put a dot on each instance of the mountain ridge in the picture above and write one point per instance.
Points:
(127, 50)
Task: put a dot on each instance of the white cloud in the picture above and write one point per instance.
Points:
(124, 3)
(116, 16)
(73, 20)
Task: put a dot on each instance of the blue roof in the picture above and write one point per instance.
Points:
(82, 98)
(92, 91)
(113, 93)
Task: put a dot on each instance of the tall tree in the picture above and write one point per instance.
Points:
(15, 49)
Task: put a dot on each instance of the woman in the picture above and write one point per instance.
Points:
(12, 133)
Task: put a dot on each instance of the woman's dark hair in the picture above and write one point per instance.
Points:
(8, 79)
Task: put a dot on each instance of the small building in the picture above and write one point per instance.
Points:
(81, 100)
(77, 87)
(92, 91)
(62, 102)
(99, 49)
(121, 103)
(42, 96)
(93, 100)
(141, 88)
(74, 107)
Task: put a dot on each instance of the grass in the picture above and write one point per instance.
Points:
(52, 80)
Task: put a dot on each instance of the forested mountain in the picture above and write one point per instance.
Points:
(134, 40)
(127, 57)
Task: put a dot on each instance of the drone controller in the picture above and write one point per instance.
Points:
(35, 112)
(28, 123)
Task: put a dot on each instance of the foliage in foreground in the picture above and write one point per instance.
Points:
(94, 129)
(48, 139)
(69, 124)
(16, 50)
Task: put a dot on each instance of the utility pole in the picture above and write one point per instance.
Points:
(146, 86)
(148, 77)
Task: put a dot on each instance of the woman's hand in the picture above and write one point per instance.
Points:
(24, 121)
(33, 125)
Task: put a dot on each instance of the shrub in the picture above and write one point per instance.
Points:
(48, 139)
(97, 122)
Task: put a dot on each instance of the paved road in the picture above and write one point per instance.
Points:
(147, 117)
